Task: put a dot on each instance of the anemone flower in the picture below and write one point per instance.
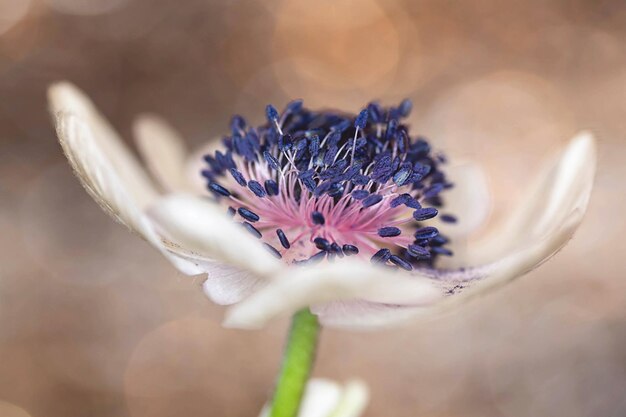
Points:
(347, 219)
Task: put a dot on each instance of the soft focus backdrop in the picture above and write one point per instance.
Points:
(95, 323)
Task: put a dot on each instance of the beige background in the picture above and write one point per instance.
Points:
(94, 323)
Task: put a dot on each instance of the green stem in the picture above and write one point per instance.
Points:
(297, 363)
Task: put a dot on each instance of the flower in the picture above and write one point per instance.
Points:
(326, 398)
(332, 211)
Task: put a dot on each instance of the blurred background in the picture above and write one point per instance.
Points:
(95, 323)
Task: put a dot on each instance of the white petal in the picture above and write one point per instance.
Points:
(360, 314)
(104, 184)
(105, 167)
(225, 284)
(460, 285)
(342, 280)
(326, 398)
(353, 400)
(562, 186)
(229, 285)
(65, 99)
(201, 227)
(163, 151)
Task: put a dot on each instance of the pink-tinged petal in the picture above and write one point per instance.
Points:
(66, 99)
(198, 226)
(164, 152)
(342, 280)
(326, 398)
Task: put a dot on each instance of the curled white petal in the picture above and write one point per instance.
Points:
(163, 151)
(64, 100)
(201, 227)
(563, 185)
(105, 167)
(103, 183)
(341, 280)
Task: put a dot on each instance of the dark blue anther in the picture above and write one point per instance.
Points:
(283, 238)
(405, 107)
(207, 174)
(448, 218)
(271, 187)
(389, 231)
(253, 230)
(323, 188)
(350, 249)
(372, 199)
(336, 189)
(439, 250)
(314, 145)
(382, 168)
(360, 194)
(402, 175)
(317, 218)
(361, 119)
(433, 190)
(256, 188)
(218, 189)
(426, 233)
(413, 203)
(350, 173)
(285, 142)
(336, 249)
(396, 260)
(294, 106)
(271, 249)
(400, 200)
(418, 251)
(248, 214)
(231, 211)
(381, 256)
(391, 129)
(375, 112)
(331, 153)
(424, 213)
(237, 124)
(271, 113)
(341, 126)
(360, 179)
(317, 257)
(271, 160)
(321, 243)
(238, 176)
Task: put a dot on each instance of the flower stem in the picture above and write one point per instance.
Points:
(297, 363)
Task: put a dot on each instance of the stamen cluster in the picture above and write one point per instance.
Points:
(317, 185)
